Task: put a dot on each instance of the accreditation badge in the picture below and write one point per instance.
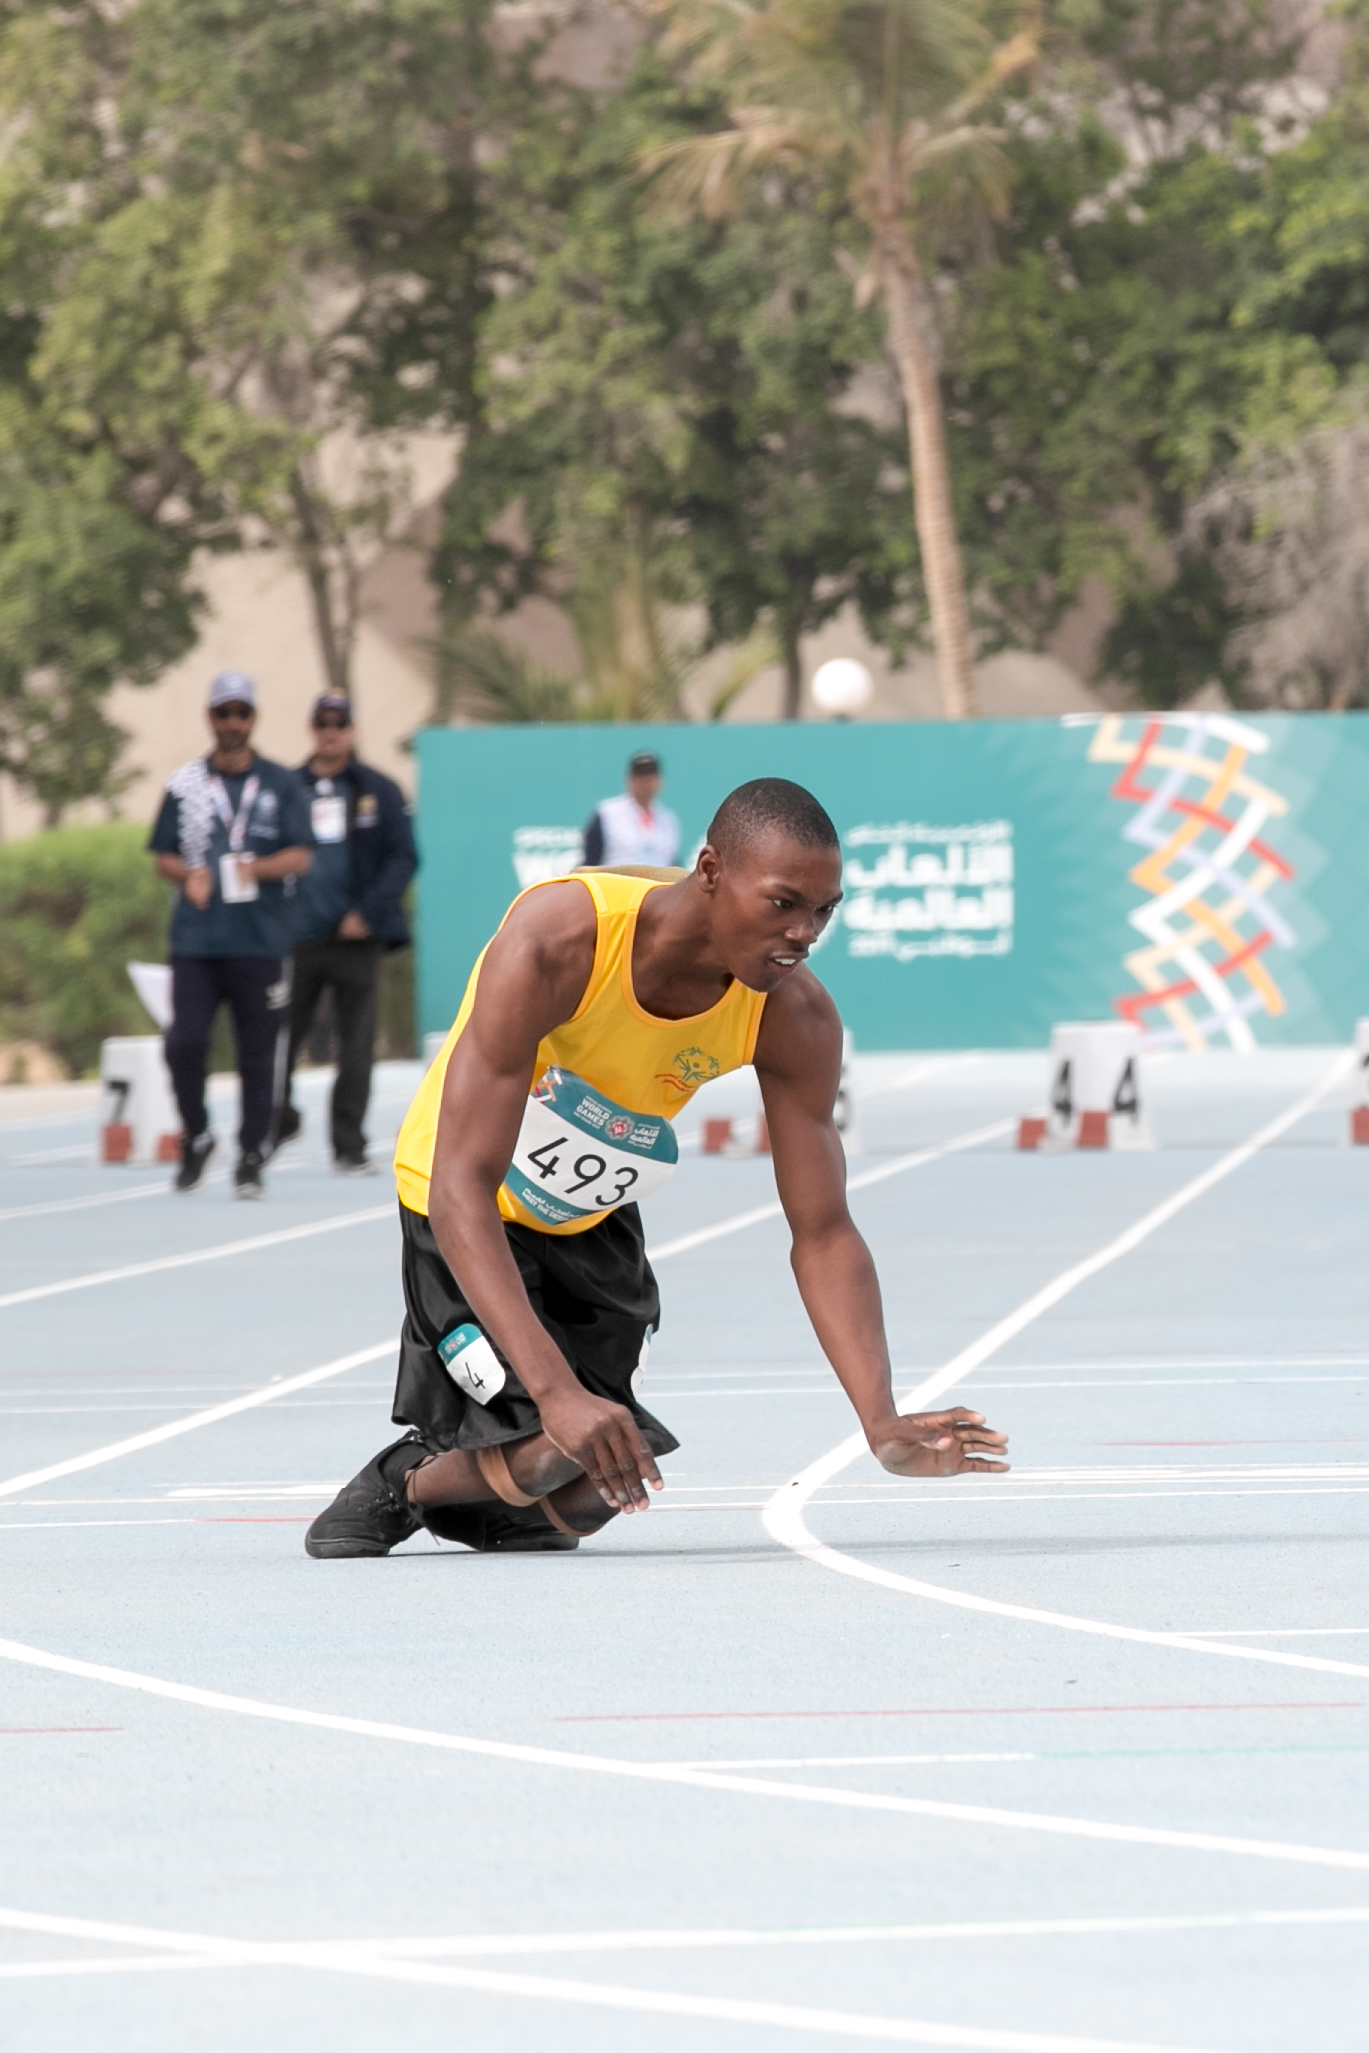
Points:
(235, 887)
(579, 1155)
(328, 818)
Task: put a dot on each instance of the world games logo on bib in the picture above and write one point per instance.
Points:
(580, 1156)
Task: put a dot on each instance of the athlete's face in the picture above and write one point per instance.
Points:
(770, 903)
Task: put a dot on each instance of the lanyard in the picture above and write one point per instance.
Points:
(236, 823)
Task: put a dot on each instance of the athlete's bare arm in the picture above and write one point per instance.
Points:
(798, 1060)
(534, 977)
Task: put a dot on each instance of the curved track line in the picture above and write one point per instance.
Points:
(783, 1517)
(267, 1394)
(685, 1777)
(206, 1254)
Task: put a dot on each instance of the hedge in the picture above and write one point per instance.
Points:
(76, 905)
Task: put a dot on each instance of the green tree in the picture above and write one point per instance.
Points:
(271, 267)
(885, 97)
(1177, 288)
(665, 416)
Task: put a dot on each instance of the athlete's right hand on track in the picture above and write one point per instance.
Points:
(605, 1440)
(939, 1443)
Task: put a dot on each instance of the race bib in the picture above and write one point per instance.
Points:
(579, 1155)
(472, 1363)
(328, 819)
(234, 887)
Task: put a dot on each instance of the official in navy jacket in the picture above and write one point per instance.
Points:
(347, 915)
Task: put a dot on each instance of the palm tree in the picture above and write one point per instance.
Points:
(881, 97)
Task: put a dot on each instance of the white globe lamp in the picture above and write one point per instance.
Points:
(842, 687)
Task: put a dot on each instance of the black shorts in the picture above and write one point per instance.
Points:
(594, 1293)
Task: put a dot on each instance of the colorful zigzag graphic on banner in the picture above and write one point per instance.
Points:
(1209, 923)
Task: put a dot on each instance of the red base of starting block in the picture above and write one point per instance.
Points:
(1030, 1134)
(720, 1139)
(1359, 1126)
(168, 1147)
(1093, 1130)
(116, 1142)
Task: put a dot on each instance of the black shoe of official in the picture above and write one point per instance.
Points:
(370, 1514)
(195, 1153)
(247, 1181)
(290, 1126)
(356, 1164)
(497, 1528)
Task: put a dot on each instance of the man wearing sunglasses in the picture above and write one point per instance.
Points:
(347, 915)
(232, 834)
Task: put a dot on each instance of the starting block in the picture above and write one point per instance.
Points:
(138, 1117)
(1095, 1091)
(725, 1136)
(1359, 1112)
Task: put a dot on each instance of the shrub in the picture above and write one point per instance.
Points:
(76, 904)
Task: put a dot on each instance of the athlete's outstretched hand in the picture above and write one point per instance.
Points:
(605, 1440)
(940, 1443)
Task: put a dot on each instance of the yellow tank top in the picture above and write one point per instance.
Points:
(651, 1066)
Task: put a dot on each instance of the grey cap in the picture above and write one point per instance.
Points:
(232, 686)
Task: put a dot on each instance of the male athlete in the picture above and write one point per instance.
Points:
(600, 1005)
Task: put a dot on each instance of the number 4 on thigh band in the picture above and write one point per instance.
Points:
(580, 1155)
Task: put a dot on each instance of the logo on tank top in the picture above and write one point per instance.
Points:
(690, 1068)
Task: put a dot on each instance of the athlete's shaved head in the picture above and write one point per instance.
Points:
(770, 805)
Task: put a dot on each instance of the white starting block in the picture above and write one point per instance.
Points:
(1095, 1090)
(1359, 1111)
(748, 1133)
(138, 1117)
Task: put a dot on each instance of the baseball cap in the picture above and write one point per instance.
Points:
(333, 702)
(232, 687)
(644, 764)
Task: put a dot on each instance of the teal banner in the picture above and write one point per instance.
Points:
(1204, 874)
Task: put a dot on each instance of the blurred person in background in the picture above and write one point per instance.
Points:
(632, 828)
(233, 834)
(347, 915)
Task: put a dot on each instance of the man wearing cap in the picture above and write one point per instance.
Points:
(632, 828)
(347, 915)
(233, 834)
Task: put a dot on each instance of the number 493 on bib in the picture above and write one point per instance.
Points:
(579, 1155)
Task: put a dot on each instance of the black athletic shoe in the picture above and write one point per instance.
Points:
(289, 1127)
(497, 1528)
(370, 1514)
(359, 1164)
(247, 1181)
(194, 1160)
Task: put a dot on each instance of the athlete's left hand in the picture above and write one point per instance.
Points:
(939, 1443)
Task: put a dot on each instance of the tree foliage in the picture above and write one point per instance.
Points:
(664, 411)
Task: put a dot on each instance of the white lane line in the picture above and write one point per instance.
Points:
(348, 1960)
(671, 1939)
(207, 1254)
(783, 1518)
(1281, 1632)
(122, 1964)
(685, 1241)
(266, 1394)
(687, 1777)
(108, 1197)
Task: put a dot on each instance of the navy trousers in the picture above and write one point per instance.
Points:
(256, 990)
